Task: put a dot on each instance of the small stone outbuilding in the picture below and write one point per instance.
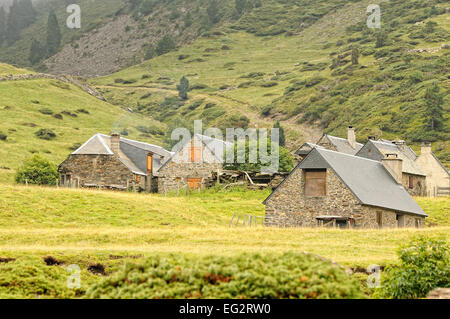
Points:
(334, 189)
(113, 162)
(413, 177)
(193, 167)
(438, 176)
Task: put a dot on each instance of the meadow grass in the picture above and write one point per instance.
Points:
(44, 220)
(29, 105)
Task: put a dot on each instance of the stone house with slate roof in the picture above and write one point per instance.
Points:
(114, 162)
(329, 188)
(194, 165)
(412, 177)
(438, 177)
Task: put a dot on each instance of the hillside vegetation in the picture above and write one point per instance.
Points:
(54, 118)
(306, 78)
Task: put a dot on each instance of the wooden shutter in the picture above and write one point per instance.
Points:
(149, 163)
(316, 183)
(196, 153)
(411, 182)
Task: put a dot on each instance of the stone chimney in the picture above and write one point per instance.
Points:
(115, 143)
(352, 137)
(372, 138)
(426, 148)
(394, 165)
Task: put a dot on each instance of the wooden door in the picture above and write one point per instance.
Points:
(194, 183)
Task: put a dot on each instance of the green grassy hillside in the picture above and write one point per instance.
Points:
(305, 78)
(71, 114)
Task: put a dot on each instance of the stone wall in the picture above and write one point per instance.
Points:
(289, 207)
(104, 170)
(173, 176)
(420, 186)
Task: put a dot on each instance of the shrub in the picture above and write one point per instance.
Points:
(285, 162)
(38, 171)
(45, 134)
(247, 276)
(3, 136)
(46, 111)
(423, 267)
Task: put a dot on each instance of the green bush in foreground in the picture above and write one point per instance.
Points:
(424, 267)
(246, 276)
(38, 171)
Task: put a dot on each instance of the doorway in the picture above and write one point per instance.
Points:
(194, 183)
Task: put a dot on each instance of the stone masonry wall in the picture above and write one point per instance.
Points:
(289, 207)
(173, 176)
(420, 186)
(105, 170)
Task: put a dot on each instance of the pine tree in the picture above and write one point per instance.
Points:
(21, 15)
(165, 45)
(183, 88)
(213, 12)
(355, 56)
(37, 52)
(240, 6)
(282, 135)
(2, 25)
(433, 115)
(53, 34)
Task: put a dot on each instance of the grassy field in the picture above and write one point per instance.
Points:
(30, 105)
(90, 227)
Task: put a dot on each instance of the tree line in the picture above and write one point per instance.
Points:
(21, 15)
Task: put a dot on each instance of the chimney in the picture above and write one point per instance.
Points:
(372, 138)
(352, 137)
(426, 148)
(115, 143)
(394, 165)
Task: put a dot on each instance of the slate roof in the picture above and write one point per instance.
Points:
(133, 154)
(367, 179)
(409, 164)
(342, 145)
(216, 146)
(306, 148)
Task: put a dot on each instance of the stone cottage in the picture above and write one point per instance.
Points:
(194, 165)
(329, 188)
(114, 162)
(438, 177)
(413, 178)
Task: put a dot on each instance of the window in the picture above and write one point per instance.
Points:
(380, 219)
(315, 183)
(149, 163)
(196, 154)
(411, 182)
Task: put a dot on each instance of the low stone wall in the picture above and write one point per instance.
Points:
(64, 78)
